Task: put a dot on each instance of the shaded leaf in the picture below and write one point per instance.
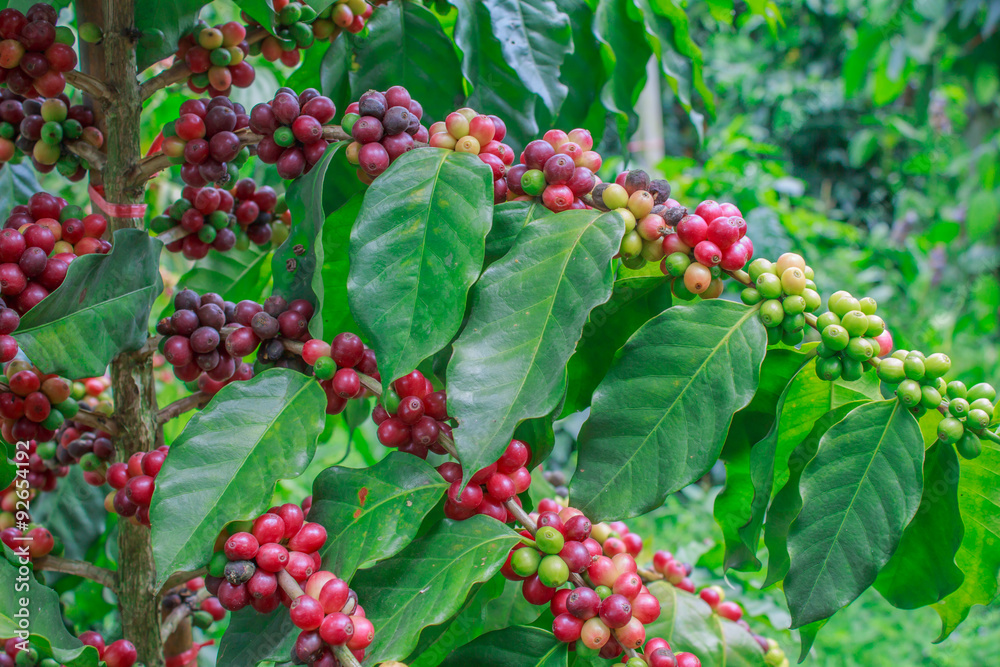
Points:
(858, 494)
(74, 512)
(923, 570)
(516, 645)
(625, 52)
(528, 311)
(329, 283)
(101, 309)
(372, 513)
(17, 184)
(172, 18)
(428, 581)
(224, 465)
(652, 433)
(509, 218)
(416, 249)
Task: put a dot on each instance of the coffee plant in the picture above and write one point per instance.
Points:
(414, 239)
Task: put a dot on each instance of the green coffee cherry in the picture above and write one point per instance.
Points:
(855, 322)
(958, 407)
(860, 349)
(524, 562)
(981, 404)
(793, 322)
(676, 264)
(829, 368)
(824, 352)
(891, 371)
(843, 305)
(835, 337)
(978, 419)
(969, 446)
(794, 304)
(913, 367)
(909, 393)
(793, 281)
(553, 571)
(549, 540)
(792, 338)
(603, 591)
(774, 335)
(937, 365)
(758, 267)
(771, 313)
(750, 296)
(769, 285)
(876, 325)
(812, 299)
(930, 398)
(950, 430)
(217, 566)
(826, 319)
(853, 369)
(867, 305)
(982, 390)
(956, 389)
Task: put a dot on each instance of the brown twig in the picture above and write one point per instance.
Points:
(293, 591)
(96, 420)
(78, 568)
(94, 157)
(173, 234)
(178, 578)
(195, 401)
(88, 84)
(181, 612)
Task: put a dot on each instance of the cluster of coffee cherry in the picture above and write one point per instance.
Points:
(120, 653)
(384, 125)
(40, 477)
(490, 487)
(786, 293)
(34, 53)
(339, 366)
(39, 129)
(292, 32)
(263, 217)
(203, 140)
(559, 168)
(467, 131)
(349, 15)
(17, 652)
(648, 212)
(412, 416)
(76, 443)
(133, 483)
(216, 57)
(852, 335)
(247, 570)
(32, 404)
(37, 540)
(292, 128)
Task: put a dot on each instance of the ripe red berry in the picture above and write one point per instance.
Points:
(616, 611)
(241, 546)
(567, 627)
(120, 654)
(535, 592)
(311, 537)
(306, 613)
(336, 629)
(268, 528)
(729, 610)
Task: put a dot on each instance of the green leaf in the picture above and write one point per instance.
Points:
(923, 570)
(518, 645)
(689, 624)
(978, 557)
(251, 435)
(372, 513)
(416, 249)
(788, 501)
(734, 508)
(329, 283)
(625, 52)
(496, 85)
(17, 184)
(858, 495)
(173, 18)
(309, 197)
(649, 435)
(428, 581)
(527, 314)
(234, 275)
(74, 512)
(587, 75)
(667, 21)
(633, 302)
(40, 604)
(509, 218)
(981, 217)
(260, 11)
(252, 638)
(405, 44)
(101, 309)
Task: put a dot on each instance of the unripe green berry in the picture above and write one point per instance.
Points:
(914, 367)
(930, 397)
(982, 390)
(969, 446)
(835, 337)
(603, 591)
(900, 354)
(859, 349)
(876, 325)
(524, 562)
(853, 369)
(793, 322)
(390, 401)
(794, 304)
(826, 319)
(956, 389)
(824, 352)
(793, 280)
(533, 183)
(937, 364)
(750, 296)
(981, 404)
(553, 571)
(793, 338)
(774, 335)
(549, 540)
(916, 353)
(759, 266)
(950, 430)
(909, 392)
(891, 371)
(813, 299)
(325, 368)
(842, 303)
(769, 285)
(829, 368)
(867, 305)
(676, 264)
(771, 313)
(977, 419)
(855, 322)
(958, 407)
(217, 566)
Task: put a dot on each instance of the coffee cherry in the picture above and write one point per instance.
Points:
(241, 546)
(595, 634)
(306, 613)
(535, 592)
(729, 610)
(336, 628)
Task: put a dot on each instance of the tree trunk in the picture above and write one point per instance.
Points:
(114, 61)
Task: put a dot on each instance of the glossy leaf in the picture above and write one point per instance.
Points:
(633, 302)
(309, 197)
(372, 513)
(750, 426)
(689, 624)
(527, 314)
(923, 570)
(585, 76)
(509, 218)
(668, 22)
(978, 557)
(224, 465)
(44, 615)
(625, 53)
(660, 416)
(405, 44)
(416, 249)
(17, 184)
(173, 18)
(858, 494)
(101, 309)
(516, 645)
(788, 501)
(329, 283)
(252, 637)
(428, 581)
